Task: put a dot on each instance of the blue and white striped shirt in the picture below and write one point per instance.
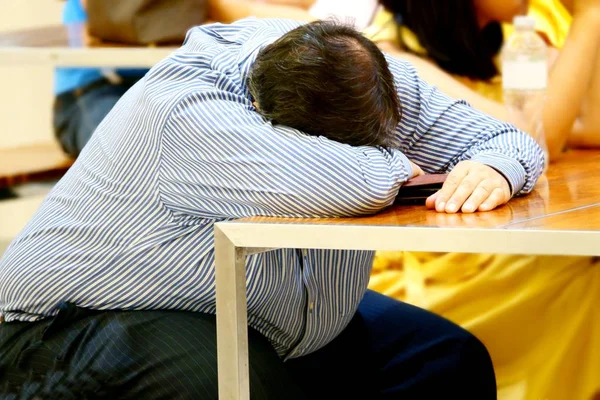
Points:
(130, 226)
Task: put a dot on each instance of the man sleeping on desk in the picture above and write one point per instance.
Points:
(110, 288)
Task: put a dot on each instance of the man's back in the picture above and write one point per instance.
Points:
(104, 238)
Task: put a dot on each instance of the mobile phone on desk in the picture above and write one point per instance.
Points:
(416, 190)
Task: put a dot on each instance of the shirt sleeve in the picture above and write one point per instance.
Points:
(437, 132)
(220, 159)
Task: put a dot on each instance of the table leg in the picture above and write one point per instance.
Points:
(232, 322)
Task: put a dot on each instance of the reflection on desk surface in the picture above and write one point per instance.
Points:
(571, 185)
(585, 218)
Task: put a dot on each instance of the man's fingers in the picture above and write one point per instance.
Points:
(470, 186)
(496, 198)
(430, 202)
(452, 182)
(462, 192)
(479, 195)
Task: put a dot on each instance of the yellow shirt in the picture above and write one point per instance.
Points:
(552, 22)
(538, 316)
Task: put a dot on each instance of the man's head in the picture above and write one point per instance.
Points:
(325, 78)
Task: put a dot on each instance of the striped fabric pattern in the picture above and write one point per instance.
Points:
(130, 226)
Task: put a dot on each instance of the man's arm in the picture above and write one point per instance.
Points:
(438, 133)
(220, 159)
(434, 75)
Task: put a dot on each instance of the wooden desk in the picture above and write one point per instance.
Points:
(561, 216)
(62, 46)
(32, 163)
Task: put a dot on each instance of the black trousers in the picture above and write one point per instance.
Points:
(390, 350)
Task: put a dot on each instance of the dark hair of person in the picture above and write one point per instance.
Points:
(450, 33)
(326, 79)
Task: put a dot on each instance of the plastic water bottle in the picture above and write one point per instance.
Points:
(525, 77)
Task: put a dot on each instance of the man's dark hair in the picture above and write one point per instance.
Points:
(325, 78)
(451, 35)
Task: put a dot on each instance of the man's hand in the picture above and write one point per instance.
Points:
(471, 186)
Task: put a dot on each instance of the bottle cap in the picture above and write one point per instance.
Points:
(524, 21)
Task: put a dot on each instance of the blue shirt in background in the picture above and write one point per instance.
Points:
(68, 79)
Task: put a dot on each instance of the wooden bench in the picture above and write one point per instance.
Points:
(32, 163)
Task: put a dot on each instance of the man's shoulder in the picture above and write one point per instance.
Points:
(250, 23)
(217, 56)
(239, 32)
(212, 65)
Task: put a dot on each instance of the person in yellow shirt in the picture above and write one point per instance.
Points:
(455, 45)
(538, 316)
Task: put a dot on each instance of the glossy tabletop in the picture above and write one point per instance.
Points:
(560, 216)
(571, 184)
